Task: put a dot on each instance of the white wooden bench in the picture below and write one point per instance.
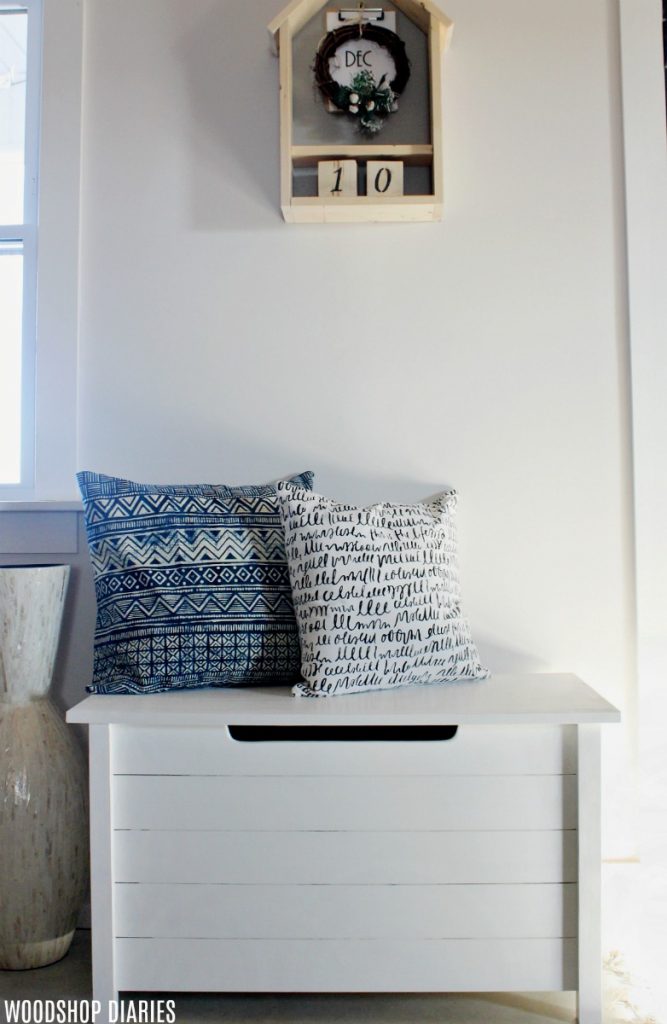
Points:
(355, 860)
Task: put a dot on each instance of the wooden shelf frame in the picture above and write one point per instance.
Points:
(415, 155)
(299, 12)
(360, 209)
(306, 209)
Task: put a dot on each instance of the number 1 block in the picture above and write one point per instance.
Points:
(336, 179)
(384, 178)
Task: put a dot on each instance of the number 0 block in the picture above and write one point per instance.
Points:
(384, 178)
(336, 179)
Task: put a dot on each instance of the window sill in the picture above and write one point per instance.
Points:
(40, 506)
(39, 527)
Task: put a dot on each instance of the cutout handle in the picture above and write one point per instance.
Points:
(341, 733)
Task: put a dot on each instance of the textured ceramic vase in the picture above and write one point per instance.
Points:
(43, 829)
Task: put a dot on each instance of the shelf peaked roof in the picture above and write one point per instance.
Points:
(298, 12)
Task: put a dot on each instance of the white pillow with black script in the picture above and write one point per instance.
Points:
(376, 594)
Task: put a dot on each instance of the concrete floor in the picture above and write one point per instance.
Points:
(70, 979)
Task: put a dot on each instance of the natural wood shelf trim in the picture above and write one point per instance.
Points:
(362, 201)
(410, 154)
(354, 212)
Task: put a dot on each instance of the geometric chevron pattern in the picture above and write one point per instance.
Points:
(192, 585)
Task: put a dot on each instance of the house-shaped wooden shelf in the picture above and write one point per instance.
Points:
(309, 134)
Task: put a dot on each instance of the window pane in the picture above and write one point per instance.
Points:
(11, 303)
(13, 48)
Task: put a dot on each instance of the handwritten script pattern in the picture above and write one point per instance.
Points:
(376, 594)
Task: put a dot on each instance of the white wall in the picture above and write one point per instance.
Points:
(488, 352)
(218, 343)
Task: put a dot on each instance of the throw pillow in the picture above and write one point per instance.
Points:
(192, 585)
(376, 594)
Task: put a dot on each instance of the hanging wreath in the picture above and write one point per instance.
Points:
(364, 98)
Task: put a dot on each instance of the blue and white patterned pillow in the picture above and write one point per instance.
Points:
(192, 585)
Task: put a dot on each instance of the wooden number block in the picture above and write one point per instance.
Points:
(384, 178)
(337, 179)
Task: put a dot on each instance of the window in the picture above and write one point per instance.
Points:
(20, 87)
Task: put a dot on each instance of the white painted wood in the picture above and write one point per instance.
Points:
(589, 996)
(482, 750)
(55, 111)
(350, 965)
(645, 179)
(22, 234)
(343, 866)
(40, 506)
(346, 912)
(345, 858)
(101, 866)
(645, 182)
(502, 699)
(40, 533)
(276, 803)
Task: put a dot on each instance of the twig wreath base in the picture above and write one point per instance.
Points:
(368, 101)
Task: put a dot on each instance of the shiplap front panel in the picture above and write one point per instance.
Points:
(465, 864)
(478, 750)
(361, 803)
(345, 912)
(345, 965)
(345, 858)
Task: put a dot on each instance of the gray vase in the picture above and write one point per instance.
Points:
(43, 805)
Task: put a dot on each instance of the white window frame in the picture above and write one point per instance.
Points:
(25, 234)
(51, 255)
(646, 208)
